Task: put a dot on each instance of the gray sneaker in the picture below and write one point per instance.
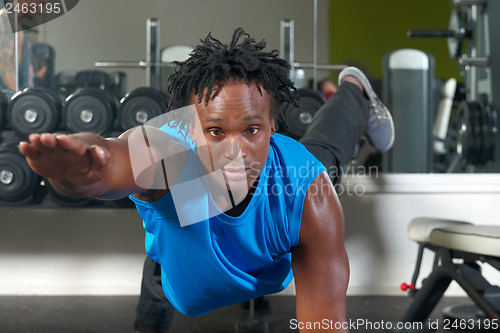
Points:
(380, 130)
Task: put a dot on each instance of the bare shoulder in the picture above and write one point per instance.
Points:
(322, 214)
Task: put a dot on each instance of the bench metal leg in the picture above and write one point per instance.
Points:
(428, 296)
(467, 275)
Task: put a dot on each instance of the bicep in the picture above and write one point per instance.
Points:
(320, 261)
(144, 161)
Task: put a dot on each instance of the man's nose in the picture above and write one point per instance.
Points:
(232, 149)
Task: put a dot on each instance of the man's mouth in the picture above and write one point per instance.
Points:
(237, 174)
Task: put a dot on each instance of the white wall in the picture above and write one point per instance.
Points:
(381, 256)
(101, 251)
(116, 29)
(70, 251)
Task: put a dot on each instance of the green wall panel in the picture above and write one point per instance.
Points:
(362, 31)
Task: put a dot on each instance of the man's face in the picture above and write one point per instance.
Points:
(237, 125)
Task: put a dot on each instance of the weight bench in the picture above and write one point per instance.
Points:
(459, 247)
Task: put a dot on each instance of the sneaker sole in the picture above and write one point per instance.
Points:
(368, 89)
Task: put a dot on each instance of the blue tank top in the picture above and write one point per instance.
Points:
(226, 260)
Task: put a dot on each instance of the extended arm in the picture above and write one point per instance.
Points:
(82, 165)
(87, 165)
(319, 261)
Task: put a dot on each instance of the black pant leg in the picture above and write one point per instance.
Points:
(337, 127)
(154, 311)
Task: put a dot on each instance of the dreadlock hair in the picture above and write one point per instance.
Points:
(213, 64)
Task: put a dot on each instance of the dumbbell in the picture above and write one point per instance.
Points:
(141, 105)
(92, 79)
(89, 110)
(66, 82)
(17, 181)
(299, 118)
(34, 110)
(118, 85)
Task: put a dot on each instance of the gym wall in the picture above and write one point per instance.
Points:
(116, 29)
(362, 31)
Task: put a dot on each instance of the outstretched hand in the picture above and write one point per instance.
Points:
(66, 158)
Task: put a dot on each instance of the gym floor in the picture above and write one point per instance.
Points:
(115, 314)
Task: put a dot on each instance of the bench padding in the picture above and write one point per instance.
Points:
(456, 235)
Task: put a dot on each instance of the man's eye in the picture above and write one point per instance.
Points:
(253, 130)
(215, 132)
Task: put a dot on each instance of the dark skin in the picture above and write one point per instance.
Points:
(239, 115)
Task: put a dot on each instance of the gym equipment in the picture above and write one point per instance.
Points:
(89, 110)
(408, 86)
(470, 137)
(17, 180)
(459, 248)
(287, 35)
(459, 29)
(299, 118)
(66, 82)
(443, 115)
(474, 21)
(251, 325)
(118, 84)
(4, 102)
(92, 79)
(141, 105)
(156, 71)
(168, 55)
(152, 63)
(34, 110)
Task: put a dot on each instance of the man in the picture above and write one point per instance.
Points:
(327, 88)
(289, 216)
(7, 46)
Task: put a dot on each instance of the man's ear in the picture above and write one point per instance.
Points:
(273, 126)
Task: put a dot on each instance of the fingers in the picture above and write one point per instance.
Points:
(28, 150)
(100, 156)
(54, 143)
(41, 144)
(38, 145)
(71, 143)
(48, 140)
